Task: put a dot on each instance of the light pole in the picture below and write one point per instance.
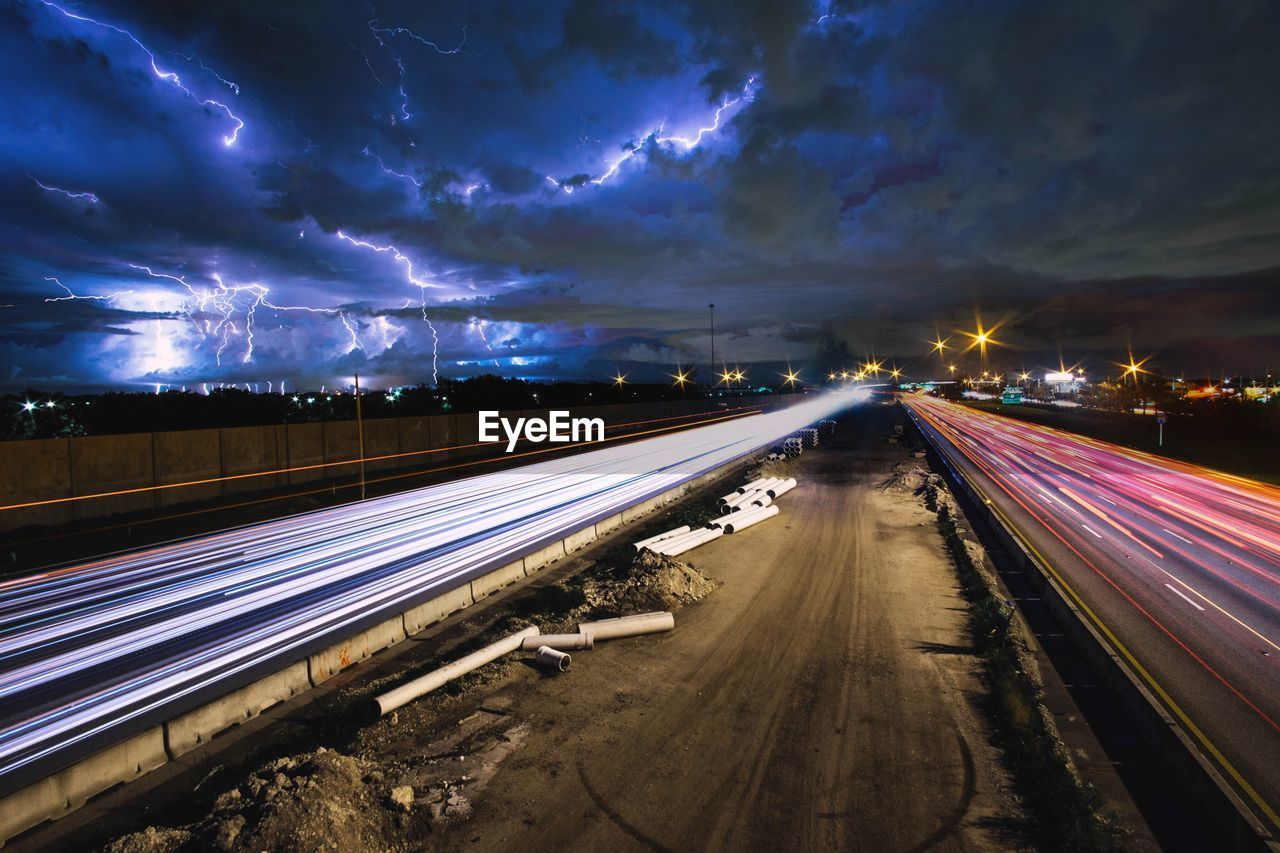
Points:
(712, 308)
(360, 434)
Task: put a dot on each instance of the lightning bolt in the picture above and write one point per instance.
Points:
(657, 135)
(195, 57)
(72, 295)
(226, 301)
(390, 33)
(366, 152)
(417, 282)
(170, 77)
(478, 324)
(93, 199)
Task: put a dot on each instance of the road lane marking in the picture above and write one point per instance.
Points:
(1176, 536)
(1216, 606)
(1178, 593)
(1091, 530)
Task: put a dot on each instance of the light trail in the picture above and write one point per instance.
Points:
(91, 654)
(1161, 526)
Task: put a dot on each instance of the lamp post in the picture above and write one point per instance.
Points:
(712, 308)
(360, 435)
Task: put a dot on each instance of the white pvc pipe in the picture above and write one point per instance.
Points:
(740, 502)
(693, 542)
(782, 488)
(754, 484)
(726, 498)
(661, 547)
(644, 543)
(561, 642)
(762, 499)
(744, 520)
(629, 626)
(551, 658)
(406, 693)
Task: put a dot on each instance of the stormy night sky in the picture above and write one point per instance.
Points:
(250, 192)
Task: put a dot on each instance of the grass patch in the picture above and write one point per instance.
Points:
(1063, 812)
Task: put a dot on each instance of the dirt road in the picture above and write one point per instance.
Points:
(822, 698)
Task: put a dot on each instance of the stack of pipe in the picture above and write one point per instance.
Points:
(809, 436)
(686, 541)
(742, 520)
(661, 537)
(792, 447)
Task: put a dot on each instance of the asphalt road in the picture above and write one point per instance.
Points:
(823, 697)
(1180, 563)
(90, 653)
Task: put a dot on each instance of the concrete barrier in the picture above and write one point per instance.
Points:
(183, 734)
(640, 510)
(580, 539)
(544, 556)
(496, 579)
(438, 608)
(604, 525)
(1164, 735)
(64, 792)
(324, 664)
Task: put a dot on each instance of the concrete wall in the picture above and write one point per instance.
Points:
(61, 468)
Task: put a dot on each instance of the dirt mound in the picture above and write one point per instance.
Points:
(911, 478)
(150, 840)
(652, 582)
(317, 800)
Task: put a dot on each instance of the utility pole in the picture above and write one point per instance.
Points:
(712, 306)
(360, 434)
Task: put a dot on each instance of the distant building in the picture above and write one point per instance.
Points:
(1064, 382)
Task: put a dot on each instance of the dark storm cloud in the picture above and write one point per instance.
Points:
(1087, 172)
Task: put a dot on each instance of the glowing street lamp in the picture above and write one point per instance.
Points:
(791, 376)
(940, 345)
(681, 378)
(28, 406)
(620, 379)
(1133, 368)
(981, 338)
(952, 368)
(896, 373)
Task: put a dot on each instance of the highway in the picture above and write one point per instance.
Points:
(1181, 564)
(92, 653)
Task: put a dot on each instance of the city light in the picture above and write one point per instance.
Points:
(939, 345)
(681, 378)
(982, 338)
(791, 376)
(620, 379)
